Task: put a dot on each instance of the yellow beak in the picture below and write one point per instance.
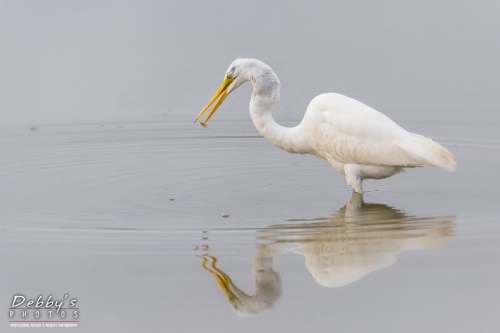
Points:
(222, 279)
(222, 93)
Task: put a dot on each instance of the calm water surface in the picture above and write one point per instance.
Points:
(126, 217)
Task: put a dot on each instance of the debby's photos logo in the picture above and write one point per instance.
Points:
(43, 312)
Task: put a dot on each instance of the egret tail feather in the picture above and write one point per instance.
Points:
(432, 153)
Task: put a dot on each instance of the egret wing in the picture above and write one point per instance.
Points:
(351, 132)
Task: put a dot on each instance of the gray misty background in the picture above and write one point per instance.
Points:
(89, 61)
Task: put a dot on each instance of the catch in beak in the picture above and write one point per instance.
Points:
(220, 94)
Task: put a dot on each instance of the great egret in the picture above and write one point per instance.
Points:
(358, 141)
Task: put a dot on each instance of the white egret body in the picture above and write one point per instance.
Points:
(358, 141)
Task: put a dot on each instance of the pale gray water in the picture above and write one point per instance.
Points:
(97, 138)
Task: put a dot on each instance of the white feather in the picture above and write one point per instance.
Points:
(351, 132)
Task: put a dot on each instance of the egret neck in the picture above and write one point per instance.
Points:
(266, 92)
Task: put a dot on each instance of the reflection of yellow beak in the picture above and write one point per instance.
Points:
(222, 279)
(222, 93)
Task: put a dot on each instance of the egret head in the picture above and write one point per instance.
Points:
(240, 71)
(232, 80)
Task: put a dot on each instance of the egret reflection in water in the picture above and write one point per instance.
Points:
(360, 238)
(267, 286)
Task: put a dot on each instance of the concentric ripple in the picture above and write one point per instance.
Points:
(159, 187)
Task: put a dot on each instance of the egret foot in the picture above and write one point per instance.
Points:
(355, 182)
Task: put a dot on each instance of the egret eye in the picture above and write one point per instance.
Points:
(229, 76)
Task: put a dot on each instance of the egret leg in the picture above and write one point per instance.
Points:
(353, 178)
